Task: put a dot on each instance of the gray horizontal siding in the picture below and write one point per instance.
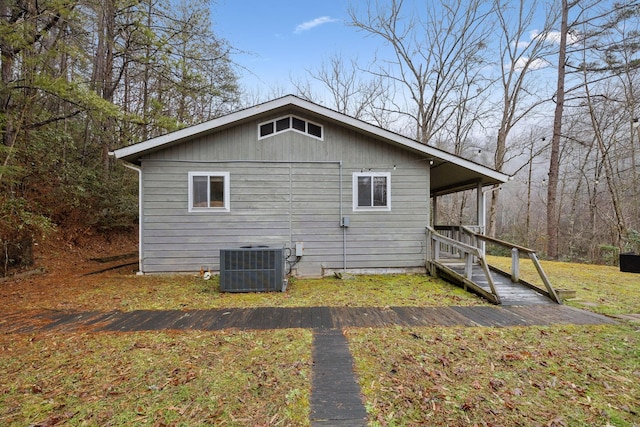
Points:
(281, 193)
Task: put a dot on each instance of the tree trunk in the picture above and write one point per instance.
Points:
(103, 73)
(501, 149)
(554, 158)
(6, 67)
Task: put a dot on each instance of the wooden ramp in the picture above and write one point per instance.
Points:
(457, 253)
(509, 292)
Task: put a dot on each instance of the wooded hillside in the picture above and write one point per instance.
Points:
(80, 78)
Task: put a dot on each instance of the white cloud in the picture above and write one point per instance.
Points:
(554, 37)
(534, 34)
(551, 37)
(535, 64)
(314, 23)
(524, 44)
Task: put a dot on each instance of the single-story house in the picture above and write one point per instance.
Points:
(342, 194)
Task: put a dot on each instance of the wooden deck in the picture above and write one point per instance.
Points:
(509, 292)
(299, 317)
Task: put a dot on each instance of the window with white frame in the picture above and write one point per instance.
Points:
(208, 191)
(289, 123)
(371, 191)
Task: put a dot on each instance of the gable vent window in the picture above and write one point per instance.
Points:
(266, 129)
(315, 130)
(284, 124)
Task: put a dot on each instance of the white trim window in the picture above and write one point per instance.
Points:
(209, 191)
(371, 191)
(290, 123)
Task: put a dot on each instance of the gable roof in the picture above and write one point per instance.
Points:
(449, 173)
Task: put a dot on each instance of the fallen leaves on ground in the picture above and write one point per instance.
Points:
(545, 376)
(155, 378)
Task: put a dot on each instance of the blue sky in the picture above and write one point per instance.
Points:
(282, 38)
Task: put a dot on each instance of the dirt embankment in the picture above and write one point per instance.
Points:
(60, 265)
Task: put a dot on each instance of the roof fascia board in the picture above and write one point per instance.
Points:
(190, 131)
(408, 142)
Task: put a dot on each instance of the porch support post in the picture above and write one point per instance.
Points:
(515, 265)
(429, 252)
(482, 220)
(480, 206)
(435, 210)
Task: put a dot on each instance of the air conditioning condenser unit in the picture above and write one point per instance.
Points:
(252, 268)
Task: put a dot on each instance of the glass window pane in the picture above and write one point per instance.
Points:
(380, 191)
(315, 130)
(266, 129)
(200, 192)
(364, 191)
(282, 124)
(217, 191)
(299, 124)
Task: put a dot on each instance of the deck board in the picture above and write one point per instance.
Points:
(364, 316)
(509, 292)
(335, 399)
(488, 316)
(433, 316)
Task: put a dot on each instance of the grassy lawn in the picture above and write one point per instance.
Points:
(185, 292)
(547, 376)
(535, 376)
(183, 378)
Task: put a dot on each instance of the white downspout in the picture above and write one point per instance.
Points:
(342, 225)
(137, 169)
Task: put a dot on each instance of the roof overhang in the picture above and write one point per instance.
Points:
(449, 173)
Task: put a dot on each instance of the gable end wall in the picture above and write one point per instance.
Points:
(284, 189)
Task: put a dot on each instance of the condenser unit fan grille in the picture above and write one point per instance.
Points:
(252, 269)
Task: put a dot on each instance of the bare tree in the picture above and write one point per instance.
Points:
(609, 64)
(431, 48)
(350, 90)
(104, 78)
(521, 54)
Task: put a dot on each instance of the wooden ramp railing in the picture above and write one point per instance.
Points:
(459, 252)
(442, 247)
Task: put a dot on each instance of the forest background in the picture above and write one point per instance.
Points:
(551, 102)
